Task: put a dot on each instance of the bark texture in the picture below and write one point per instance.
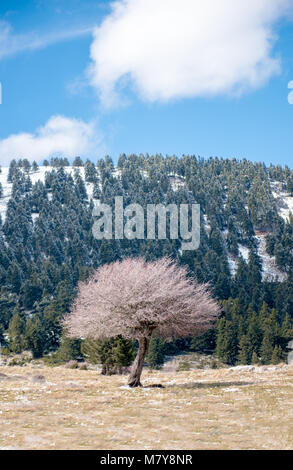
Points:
(136, 370)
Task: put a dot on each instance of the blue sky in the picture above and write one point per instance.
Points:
(133, 86)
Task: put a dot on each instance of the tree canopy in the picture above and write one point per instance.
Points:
(136, 298)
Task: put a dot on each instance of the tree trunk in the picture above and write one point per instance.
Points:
(136, 369)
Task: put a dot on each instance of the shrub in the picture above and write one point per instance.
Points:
(71, 365)
(184, 366)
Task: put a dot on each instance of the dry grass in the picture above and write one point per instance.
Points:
(200, 409)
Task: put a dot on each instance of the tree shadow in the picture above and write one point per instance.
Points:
(154, 386)
(200, 385)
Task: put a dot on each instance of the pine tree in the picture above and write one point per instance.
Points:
(77, 162)
(35, 337)
(240, 281)
(2, 340)
(254, 269)
(254, 359)
(227, 347)
(267, 347)
(14, 277)
(80, 186)
(69, 349)
(114, 354)
(244, 353)
(254, 336)
(90, 349)
(15, 332)
(12, 171)
(90, 172)
(123, 352)
(31, 292)
(35, 167)
(203, 343)
(155, 357)
(287, 328)
(277, 355)
(26, 165)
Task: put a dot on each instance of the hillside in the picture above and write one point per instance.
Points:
(283, 200)
(245, 253)
(36, 176)
(233, 408)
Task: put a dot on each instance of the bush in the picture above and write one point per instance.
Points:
(184, 366)
(5, 351)
(17, 362)
(214, 364)
(20, 359)
(71, 365)
(52, 359)
(115, 354)
(200, 365)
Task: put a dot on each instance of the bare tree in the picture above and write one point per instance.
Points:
(136, 298)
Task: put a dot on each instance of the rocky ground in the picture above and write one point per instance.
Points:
(244, 407)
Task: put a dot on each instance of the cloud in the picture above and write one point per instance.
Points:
(12, 43)
(59, 136)
(168, 49)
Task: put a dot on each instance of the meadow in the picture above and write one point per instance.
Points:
(231, 408)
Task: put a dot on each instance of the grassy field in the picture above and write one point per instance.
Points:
(198, 409)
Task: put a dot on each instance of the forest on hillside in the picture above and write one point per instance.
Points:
(47, 247)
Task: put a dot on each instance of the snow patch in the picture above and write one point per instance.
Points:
(7, 188)
(206, 224)
(283, 200)
(270, 268)
(244, 251)
(233, 264)
(35, 177)
(231, 389)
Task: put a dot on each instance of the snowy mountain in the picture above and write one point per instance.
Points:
(283, 201)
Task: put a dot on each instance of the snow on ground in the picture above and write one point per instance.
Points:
(244, 251)
(283, 200)
(270, 268)
(206, 224)
(232, 265)
(37, 176)
(7, 187)
(177, 182)
(285, 212)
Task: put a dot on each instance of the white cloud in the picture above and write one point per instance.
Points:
(59, 136)
(12, 43)
(185, 48)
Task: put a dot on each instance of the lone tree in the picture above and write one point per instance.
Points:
(135, 299)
